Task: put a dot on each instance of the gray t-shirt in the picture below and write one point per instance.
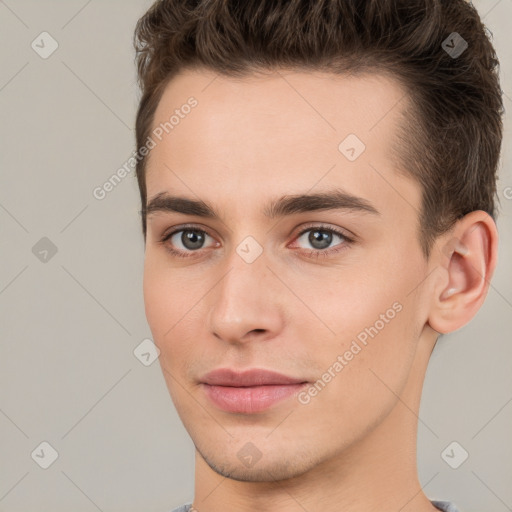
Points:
(445, 506)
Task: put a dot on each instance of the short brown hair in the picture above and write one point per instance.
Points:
(450, 140)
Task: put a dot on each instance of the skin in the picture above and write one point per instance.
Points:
(353, 446)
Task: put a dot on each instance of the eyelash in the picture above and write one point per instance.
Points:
(316, 253)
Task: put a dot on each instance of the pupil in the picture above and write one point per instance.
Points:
(322, 241)
(192, 239)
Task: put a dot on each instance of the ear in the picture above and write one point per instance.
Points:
(466, 259)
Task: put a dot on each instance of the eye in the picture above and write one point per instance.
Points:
(185, 240)
(321, 238)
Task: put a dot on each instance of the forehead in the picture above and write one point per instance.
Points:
(286, 131)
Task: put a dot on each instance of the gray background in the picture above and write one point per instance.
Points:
(69, 325)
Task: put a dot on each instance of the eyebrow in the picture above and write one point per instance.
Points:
(336, 199)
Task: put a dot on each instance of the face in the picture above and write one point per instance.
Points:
(326, 292)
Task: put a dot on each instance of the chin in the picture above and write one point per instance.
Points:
(279, 468)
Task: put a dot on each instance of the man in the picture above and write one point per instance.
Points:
(318, 182)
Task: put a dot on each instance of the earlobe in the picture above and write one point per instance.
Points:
(467, 262)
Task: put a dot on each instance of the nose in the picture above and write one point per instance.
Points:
(247, 304)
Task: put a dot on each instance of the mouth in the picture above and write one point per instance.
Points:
(250, 391)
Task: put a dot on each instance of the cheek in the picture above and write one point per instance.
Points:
(347, 301)
(161, 298)
(169, 300)
(362, 369)
(157, 298)
(367, 315)
(368, 292)
(164, 306)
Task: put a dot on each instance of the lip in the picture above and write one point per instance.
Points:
(252, 377)
(249, 391)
